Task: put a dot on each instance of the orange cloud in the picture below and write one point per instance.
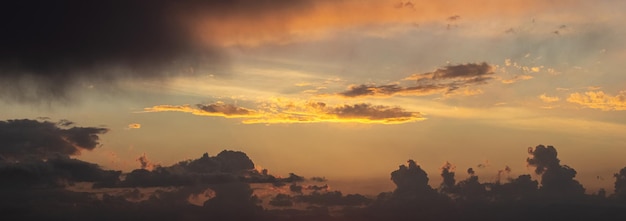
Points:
(280, 111)
(218, 109)
(548, 99)
(133, 126)
(312, 112)
(517, 78)
(254, 23)
(600, 100)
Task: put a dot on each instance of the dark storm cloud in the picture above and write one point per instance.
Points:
(23, 139)
(55, 172)
(49, 47)
(444, 80)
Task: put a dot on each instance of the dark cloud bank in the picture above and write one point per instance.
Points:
(40, 181)
(49, 47)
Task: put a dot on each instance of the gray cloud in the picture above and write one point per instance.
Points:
(441, 81)
(556, 179)
(48, 48)
(24, 139)
(226, 109)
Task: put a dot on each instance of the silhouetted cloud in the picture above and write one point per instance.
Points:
(556, 179)
(599, 100)
(282, 200)
(219, 188)
(318, 179)
(620, 184)
(448, 178)
(25, 139)
(54, 172)
(445, 80)
(411, 180)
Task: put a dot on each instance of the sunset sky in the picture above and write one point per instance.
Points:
(345, 90)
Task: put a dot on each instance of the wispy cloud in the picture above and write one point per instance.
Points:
(600, 100)
(441, 81)
(517, 78)
(133, 126)
(284, 111)
(218, 109)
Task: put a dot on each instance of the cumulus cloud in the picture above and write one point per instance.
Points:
(599, 100)
(556, 179)
(548, 99)
(282, 112)
(445, 80)
(25, 139)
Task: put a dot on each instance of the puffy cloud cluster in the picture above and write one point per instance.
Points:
(600, 100)
(445, 80)
(556, 179)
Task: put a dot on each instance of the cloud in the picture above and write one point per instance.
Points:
(620, 184)
(54, 47)
(133, 126)
(548, 99)
(25, 139)
(517, 78)
(219, 187)
(556, 179)
(287, 111)
(445, 80)
(218, 109)
(599, 100)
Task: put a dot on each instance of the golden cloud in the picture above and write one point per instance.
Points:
(517, 78)
(218, 109)
(600, 100)
(282, 111)
(547, 99)
(133, 126)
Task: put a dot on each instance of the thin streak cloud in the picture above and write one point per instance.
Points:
(288, 112)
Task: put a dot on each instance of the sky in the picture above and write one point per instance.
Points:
(345, 90)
